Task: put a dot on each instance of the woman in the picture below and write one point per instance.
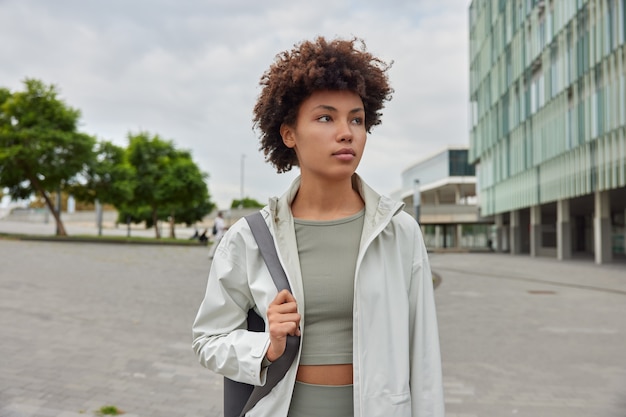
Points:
(362, 289)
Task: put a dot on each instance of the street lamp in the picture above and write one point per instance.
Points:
(416, 199)
(243, 156)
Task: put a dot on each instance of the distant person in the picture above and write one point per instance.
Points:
(219, 228)
(203, 237)
(363, 296)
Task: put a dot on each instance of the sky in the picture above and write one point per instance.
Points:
(189, 71)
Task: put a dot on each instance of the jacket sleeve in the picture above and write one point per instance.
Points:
(426, 378)
(220, 336)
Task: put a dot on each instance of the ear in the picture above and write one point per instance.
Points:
(288, 135)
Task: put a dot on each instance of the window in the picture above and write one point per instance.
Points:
(505, 113)
(473, 113)
(509, 69)
(527, 98)
(515, 114)
(554, 82)
(568, 55)
(459, 165)
(541, 93)
(533, 96)
(597, 108)
(610, 27)
(537, 91)
(582, 43)
(542, 33)
(550, 23)
(569, 126)
(623, 22)
(622, 99)
(581, 113)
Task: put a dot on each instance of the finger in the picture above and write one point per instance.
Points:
(278, 319)
(284, 296)
(281, 330)
(282, 308)
(289, 298)
(285, 318)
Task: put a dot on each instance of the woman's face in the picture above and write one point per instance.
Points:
(329, 135)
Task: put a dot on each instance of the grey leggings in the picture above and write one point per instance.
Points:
(321, 401)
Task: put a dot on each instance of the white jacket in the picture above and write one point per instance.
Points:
(396, 358)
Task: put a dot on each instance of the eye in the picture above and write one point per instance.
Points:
(324, 119)
(357, 121)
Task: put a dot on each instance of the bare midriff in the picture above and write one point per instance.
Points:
(325, 374)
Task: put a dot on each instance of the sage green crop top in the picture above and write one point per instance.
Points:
(328, 251)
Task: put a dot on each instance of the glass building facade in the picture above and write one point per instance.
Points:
(548, 113)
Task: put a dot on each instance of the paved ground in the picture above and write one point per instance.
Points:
(88, 325)
(531, 337)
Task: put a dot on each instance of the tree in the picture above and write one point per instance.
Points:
(168, 186)
(41, 150)
(108, 178)
(185, 191)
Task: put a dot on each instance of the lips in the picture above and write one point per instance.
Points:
(345, 151)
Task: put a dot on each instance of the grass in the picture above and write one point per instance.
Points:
(104, 239)
(109, 410)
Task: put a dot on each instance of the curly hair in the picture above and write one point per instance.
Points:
(310, 67)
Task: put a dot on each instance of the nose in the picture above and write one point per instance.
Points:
(344, 133)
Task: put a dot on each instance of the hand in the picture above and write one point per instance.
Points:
(284, 319)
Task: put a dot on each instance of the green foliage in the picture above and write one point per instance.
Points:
(40, 148)
(188, 194)
(168, 186)
(246, 203)
(109, 410)
(108, 177)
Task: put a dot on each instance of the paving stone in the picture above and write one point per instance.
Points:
(531, 337)
(88, 325)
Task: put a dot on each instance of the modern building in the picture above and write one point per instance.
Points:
(440, 191)
(548, 124)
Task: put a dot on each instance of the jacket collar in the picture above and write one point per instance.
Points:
(378, 208)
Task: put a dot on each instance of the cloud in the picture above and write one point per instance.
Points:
(189, 71)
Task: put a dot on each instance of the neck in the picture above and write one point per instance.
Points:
(318, 200)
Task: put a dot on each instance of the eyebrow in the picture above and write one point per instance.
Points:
(331, 108)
